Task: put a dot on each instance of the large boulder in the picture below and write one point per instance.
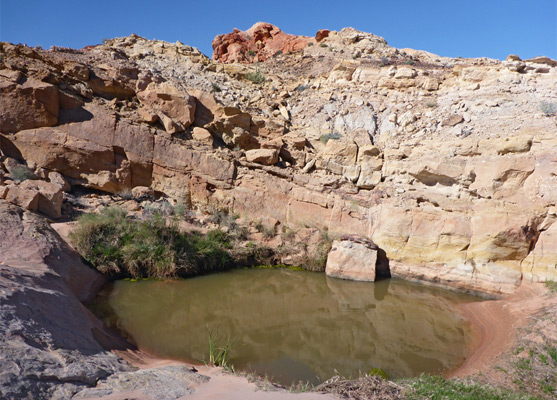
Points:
(50, 197)
(353, 258)
(262, 156)
(24, 198)
(175, 108)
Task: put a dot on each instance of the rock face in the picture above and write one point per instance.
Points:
(26, 105)
(50, 344)
(258, 43)
(446, 164)
(353, 258)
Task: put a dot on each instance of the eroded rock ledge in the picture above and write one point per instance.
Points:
(446, 164)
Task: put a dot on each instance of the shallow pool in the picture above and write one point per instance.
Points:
(292, 325)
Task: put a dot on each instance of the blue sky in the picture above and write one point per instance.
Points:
(467, 28)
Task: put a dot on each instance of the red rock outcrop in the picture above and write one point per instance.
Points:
(261, 41)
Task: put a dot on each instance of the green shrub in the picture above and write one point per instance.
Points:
(21, 173)
(549, 109)
(256, 77)
(122, 247)
(328, 136)
(251, 53)
(323, 45)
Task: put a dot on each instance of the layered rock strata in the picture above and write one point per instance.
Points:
(448, 165)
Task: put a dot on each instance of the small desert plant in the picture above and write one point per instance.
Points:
(384, 61)
(251, 53)
(125, 194)
(548, 109)
(409, 62)
(316, 259)
(216, 88)
(256, 77)
(21, 173)
(328, 136)
(552, 286)
(224, 219)
(161, 207)
(431, 104)
(267, 231)
(323, 45)
(219, 355)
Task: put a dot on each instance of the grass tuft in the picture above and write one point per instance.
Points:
(219, 355)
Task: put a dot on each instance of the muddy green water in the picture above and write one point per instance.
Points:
(294, 325)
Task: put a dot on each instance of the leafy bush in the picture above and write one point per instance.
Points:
(122, 247)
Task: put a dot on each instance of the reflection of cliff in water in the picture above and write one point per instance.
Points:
(298, 325)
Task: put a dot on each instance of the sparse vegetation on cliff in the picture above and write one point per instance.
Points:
(256, 77)
(549, 109)
(21, 173)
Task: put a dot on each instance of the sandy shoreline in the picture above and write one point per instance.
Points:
(495, 324)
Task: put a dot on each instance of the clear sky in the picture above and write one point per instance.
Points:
(467, 28)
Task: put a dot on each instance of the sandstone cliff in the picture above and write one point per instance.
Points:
(448, 165)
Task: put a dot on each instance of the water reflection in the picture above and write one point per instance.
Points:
(297, 325)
